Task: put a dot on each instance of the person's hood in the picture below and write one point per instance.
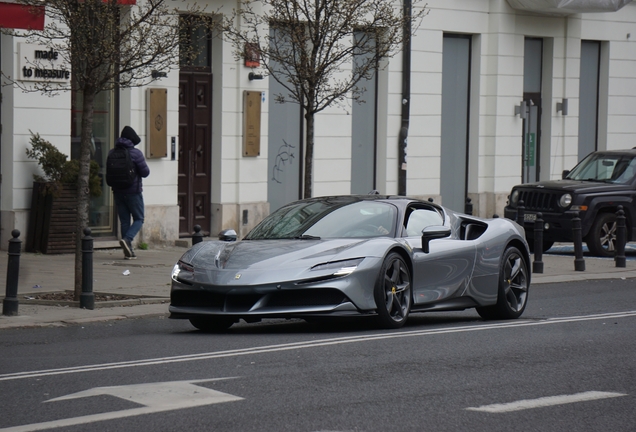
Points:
(124, 142)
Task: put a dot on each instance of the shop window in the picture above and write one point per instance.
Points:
(101, 211)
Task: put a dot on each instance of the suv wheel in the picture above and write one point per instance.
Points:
(546, 245)
(601, 240)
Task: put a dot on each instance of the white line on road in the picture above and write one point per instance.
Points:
(308, 344)
(545, 402)
(154, 398)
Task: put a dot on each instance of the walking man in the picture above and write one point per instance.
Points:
(125, 167)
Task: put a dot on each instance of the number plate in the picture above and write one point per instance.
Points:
(529, 217)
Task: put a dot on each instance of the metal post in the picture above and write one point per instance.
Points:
(537, 265)
(87, 298)
(197, 237)
(468, 208)
(521, 212)
(10, 302)
(579, 262)
(621, 237)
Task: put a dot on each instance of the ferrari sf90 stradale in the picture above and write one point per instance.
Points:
(386, 256)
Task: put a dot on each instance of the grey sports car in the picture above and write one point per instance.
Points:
(377, 255)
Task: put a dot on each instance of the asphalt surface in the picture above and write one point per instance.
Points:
(144, 283)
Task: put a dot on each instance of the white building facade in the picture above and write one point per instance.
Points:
(502, 92)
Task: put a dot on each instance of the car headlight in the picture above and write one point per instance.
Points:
(342, 268)
(514, 197)
(182, 272)
(565, 200)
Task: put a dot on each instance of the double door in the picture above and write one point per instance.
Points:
(195, 139)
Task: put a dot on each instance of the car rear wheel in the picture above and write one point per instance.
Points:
(601, 240)
(512, 294)
(393, 292)
(212, 325)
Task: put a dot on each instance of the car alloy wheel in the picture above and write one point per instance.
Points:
(601, 240)
(515, 282)
(513, 288)
(393, 292)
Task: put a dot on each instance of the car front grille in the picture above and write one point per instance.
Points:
(544, 201)
(196, 298)
(296, 298)
(236, 303)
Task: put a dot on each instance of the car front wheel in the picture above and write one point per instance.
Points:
(601, 240)
(392, 292)
(212, 325)
(512, 294)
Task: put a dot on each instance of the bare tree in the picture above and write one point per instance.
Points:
(106, 45)
(319, 50)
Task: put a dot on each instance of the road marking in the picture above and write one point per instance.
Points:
(308, 344)
(545, 402)
(156, 397)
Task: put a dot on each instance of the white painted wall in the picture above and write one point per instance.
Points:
(495, 132)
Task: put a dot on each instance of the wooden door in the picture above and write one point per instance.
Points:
(195, 147)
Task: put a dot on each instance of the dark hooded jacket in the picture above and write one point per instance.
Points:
(140, 164)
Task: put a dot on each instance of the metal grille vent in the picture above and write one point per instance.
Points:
(539, 200)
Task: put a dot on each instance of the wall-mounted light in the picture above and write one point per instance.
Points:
(253, 76)
(521, 109)
(156, 74)
(563, 106)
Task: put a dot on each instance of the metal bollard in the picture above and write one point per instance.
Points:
(10, 302)
(621, 238)
(579, 262)
(197, 237)
(537, 265)
(468, 207)
(87, 297)
(521, 213)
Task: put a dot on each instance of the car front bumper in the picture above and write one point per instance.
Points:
(557, 227)
(348, 295)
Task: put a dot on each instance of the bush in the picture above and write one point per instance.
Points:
(57, 169)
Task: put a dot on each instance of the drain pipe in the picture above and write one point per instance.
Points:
(406, 98)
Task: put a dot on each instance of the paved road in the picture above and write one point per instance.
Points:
(566, 365)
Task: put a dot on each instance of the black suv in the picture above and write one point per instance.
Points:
(594, 188)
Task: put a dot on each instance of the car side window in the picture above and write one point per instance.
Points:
(624, 171)
(418, 219)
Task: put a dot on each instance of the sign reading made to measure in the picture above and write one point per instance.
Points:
(39, 63)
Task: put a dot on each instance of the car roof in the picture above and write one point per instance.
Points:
(398, 200)
(630, 152)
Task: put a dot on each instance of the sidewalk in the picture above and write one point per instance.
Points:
(148, 281)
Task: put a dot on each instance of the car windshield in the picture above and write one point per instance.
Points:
(328, 218)
(606, 168)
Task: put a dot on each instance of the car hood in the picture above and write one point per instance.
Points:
(574, 186)
(267, 255)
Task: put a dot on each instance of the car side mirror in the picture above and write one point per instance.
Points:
(564, 174)
(433, 232)
(228, 235)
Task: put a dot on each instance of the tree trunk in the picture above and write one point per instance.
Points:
(83, 192)
(309, 154)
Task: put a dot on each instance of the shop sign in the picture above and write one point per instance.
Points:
(39, 63)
